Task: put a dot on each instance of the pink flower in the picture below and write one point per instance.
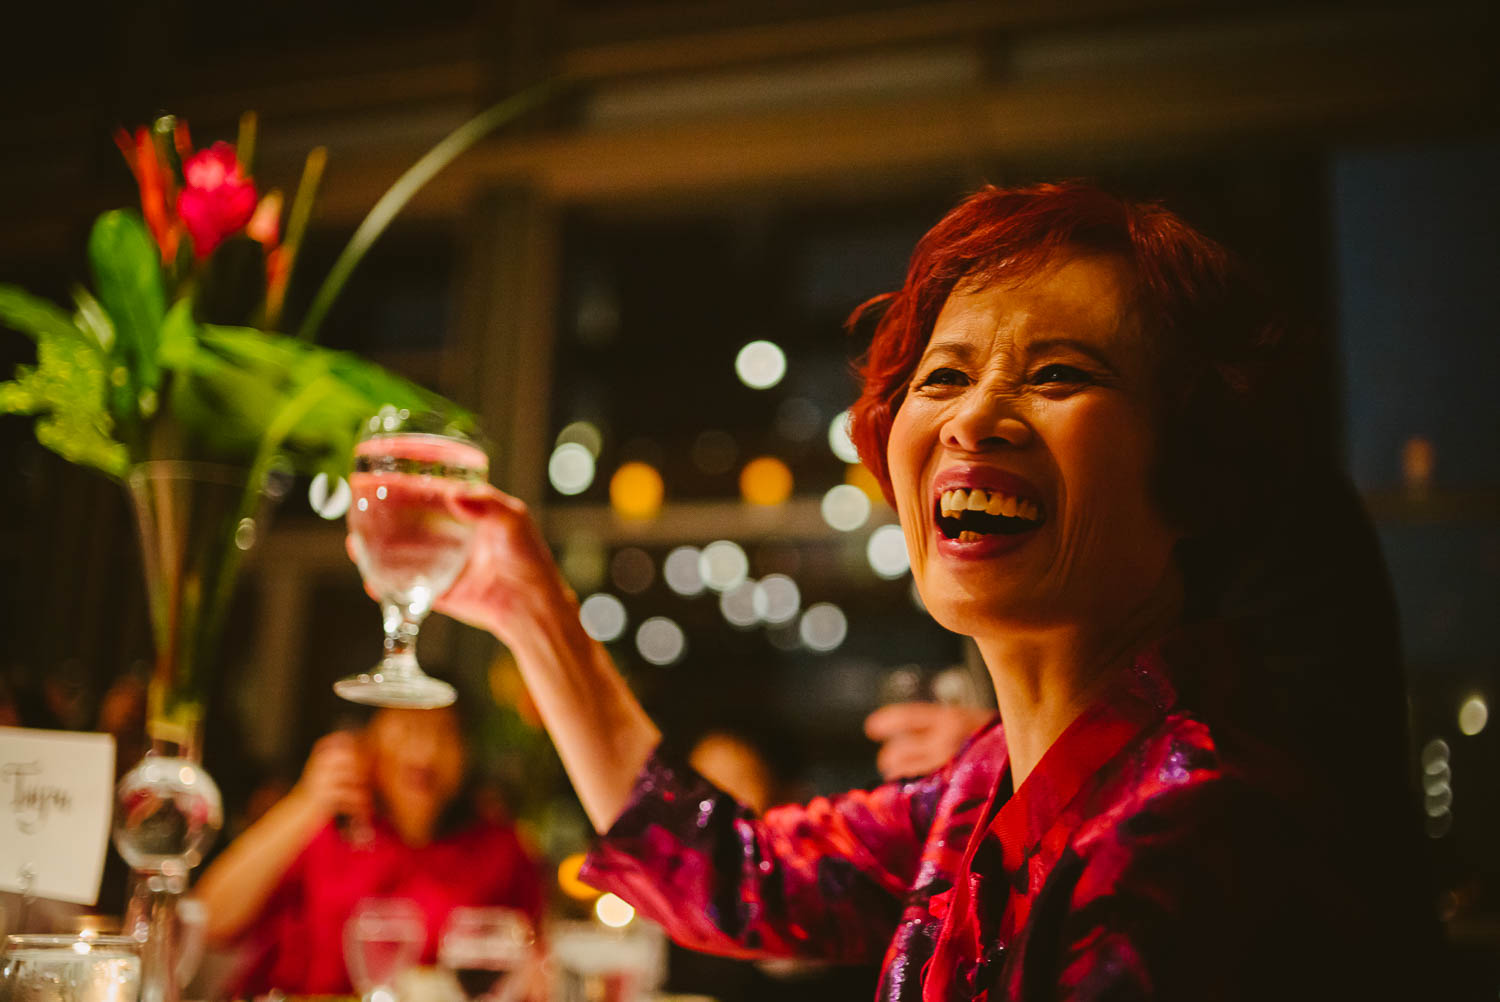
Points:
(217, 198)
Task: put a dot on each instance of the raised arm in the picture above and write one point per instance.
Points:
(512, 588)
(826, 880)
(237, 886)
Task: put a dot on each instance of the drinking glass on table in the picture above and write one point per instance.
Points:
(81, 968)
(489, 950)
(410, 546)
(382, 938)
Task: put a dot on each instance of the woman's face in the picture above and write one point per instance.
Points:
(1020, 457)
(417, 759)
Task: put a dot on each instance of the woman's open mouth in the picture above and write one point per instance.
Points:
(974, 514)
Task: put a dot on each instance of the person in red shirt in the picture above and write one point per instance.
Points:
(380, 813)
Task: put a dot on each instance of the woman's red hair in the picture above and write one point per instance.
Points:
(1210, 333)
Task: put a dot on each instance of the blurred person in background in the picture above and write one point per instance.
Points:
(379, 813)
(1090, 423)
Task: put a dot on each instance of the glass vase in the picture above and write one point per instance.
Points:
(196, 521)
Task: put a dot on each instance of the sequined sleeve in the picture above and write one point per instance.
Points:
(823, 880)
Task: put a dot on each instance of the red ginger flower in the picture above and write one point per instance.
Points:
(217, 198)
(156, 184)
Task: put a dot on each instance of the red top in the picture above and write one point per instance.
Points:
(1145, 857)
(297, 943)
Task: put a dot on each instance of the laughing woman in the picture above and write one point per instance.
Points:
(1079, 410)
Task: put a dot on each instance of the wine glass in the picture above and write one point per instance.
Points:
(382, 938)
(485, 948)
(410, 546)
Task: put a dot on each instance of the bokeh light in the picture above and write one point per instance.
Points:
(583, 433)
(682, 570)
(838, 438)
(571, 468)
(1435, 755)
(613, 912)
(723, 565)
(766, 481)
(636, 490)
(777, 599)
(823, 627)
(886, 552)
(660, 641)
(584, 562)
(329, 503)
(1473, 715)
(845, 507)
(760, 365)
(737, 605)
(569, 882)
(860, 476)
(602, 616)
(632, 570)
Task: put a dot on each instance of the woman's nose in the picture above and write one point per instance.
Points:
(985, 420)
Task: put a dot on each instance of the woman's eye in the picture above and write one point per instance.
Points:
(944, 377)
(1059, 374)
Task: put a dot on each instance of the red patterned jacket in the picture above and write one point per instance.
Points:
(1139, 860)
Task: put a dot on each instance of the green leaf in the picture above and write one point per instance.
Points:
(92, 318)
(66, 392)
(34, 316)
(179, 337)
(127, 276)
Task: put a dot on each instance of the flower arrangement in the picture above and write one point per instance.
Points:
(173, 354)
(170, 355)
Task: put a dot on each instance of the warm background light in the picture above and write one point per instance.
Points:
(766, 481)
(636, 490)
(568, 881)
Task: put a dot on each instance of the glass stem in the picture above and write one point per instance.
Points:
(401, 627)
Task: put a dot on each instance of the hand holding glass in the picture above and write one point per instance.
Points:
(409, 544)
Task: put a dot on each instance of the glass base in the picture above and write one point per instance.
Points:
(379, 688)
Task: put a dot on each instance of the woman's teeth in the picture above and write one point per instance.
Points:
(990, 502)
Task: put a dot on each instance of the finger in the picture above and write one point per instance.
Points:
(897, 718)
(908, 759)
(485, 501)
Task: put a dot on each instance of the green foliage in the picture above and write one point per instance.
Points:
(187, 390)
(128, 283)
(65, 390)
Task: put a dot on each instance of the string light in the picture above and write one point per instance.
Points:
(660, 641)
(1473, 715)
(682, 571)
(636, 491)
(760, 365)
(603, 617)
(776, 599)
(886, 552)
(582, 433)
(845, 507)
(571, 468)
(839, 440)
(723, 565)
(823, 627)
(766, 481)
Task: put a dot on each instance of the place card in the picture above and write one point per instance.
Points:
(56, 801)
